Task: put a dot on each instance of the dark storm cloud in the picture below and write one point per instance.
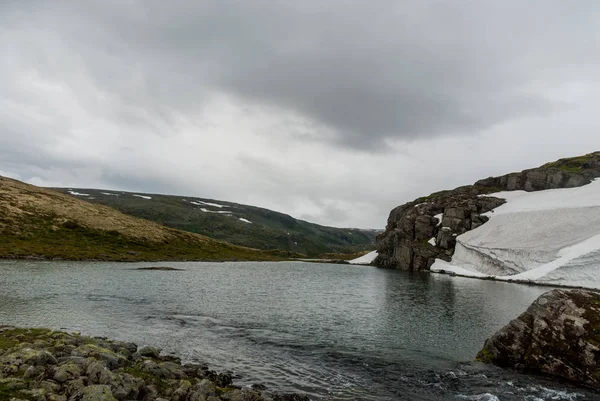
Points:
(366, 70)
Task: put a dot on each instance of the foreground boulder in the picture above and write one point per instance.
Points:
(45, 365)
(558, 335)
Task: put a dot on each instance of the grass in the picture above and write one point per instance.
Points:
(10, 338)
(342, 256)
(571, 164)
(269, 230)
(39, 223)
(39, 236)
(8, 393)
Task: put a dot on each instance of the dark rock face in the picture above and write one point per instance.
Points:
(536, 180)
(558, 335)
(563, 173)
(405, 242)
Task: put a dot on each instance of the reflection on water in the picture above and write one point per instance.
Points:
(333, 331)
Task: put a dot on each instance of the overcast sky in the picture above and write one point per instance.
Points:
(331, 111)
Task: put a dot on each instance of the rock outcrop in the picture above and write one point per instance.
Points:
(418, 232)
(45, 365)
(558, 335)
(564, 173)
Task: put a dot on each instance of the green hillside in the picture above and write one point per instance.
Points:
(260, 228)
(41, 223)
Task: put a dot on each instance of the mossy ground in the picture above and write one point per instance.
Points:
(484, 356)
(571, 164)
(10, 338)
(7, 393)
(40, 236)
(477, 189)
(342, 256)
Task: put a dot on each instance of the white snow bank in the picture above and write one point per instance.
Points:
(550, 237)
(245, 221)
(365, 259)
(432, 241)
(142, 196)
(78, 194)
(200, 203)
(108, 193)
(439, 218)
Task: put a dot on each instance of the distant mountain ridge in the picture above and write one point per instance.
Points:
(235, 223)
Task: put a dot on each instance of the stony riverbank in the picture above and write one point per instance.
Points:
(46, 365)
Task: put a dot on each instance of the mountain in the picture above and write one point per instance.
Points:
(541, 224)
(41, 223)
(235, 223)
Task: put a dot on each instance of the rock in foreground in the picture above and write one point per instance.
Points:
(45, 365)
(558, 335)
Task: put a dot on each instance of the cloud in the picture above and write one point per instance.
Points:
(335, 111)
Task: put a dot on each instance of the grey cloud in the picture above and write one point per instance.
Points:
(132, 182)
(366, 70)
(336, 215)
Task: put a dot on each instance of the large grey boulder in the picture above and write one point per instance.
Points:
(558, 335)
(67, 371)
(150, 352)
(202, 391)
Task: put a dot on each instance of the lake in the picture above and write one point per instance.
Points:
(334, 332)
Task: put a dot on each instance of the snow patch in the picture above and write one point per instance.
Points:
(439, 218)
(215, 211)
(432, 241)
(244, 220)
(142, 196)
(365, 259)
(78, 194)
(550, 237)
(200, 203)
(109, 194)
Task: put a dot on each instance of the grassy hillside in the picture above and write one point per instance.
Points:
(38, 222)
(235, 223)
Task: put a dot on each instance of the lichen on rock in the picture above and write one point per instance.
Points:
(558, 335)
(40, 364)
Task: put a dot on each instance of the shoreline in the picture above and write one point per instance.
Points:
(33, 258)
(44, 364)
(515, 281)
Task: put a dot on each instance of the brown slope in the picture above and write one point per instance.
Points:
(41, 223)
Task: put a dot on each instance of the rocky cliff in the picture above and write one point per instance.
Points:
(558, 335)
(420, 231)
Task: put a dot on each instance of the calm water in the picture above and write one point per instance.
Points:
(332, 331)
